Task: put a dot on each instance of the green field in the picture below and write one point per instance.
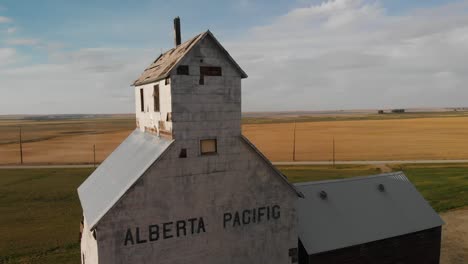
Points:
(40, 215)
(445, 186)
(40, 211)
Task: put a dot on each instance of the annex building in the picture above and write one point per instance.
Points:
(187, 187)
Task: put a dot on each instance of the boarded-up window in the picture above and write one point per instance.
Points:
(142, 101)
(156, 97)
(208, 146)
(183, 70)
(210, 71)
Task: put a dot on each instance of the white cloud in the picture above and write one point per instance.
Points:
(11, 30)
(83, 81)
(4, 19)
(22, 42)
(7, 56)
(351, 54)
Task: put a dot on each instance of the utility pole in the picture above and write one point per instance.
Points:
(94, 155)
(294, 142)
(333, 151)
(21, 145)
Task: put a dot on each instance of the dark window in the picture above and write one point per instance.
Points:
(167, 81)
(183, 70)
(183, 153)
(142, 100)
(156, 97)
(208, 146)
(210, 71)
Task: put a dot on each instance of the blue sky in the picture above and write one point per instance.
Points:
(42, 40)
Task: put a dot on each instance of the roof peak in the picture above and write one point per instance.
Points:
(165, 62)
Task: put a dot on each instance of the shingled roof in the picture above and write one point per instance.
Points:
(163, 65)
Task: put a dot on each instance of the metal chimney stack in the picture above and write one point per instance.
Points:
(177, 31)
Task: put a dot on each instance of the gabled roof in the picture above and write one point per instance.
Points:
(118, 173)
(268, 163)
(355, 211)
(163, 65)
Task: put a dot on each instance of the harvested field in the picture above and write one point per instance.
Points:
(71, 141)
(401, 139)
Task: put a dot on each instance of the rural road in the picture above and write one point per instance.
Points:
(357, 162)
(367, 162)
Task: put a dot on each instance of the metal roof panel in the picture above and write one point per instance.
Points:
(355, 211)
(122, 168)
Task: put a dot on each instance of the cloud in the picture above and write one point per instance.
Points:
(22, 42)
(83, 81)
(4, 19)
(7, 56)
(348, 54)
(11, 30)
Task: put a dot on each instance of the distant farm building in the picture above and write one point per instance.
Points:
(187, 187)
(398, 110)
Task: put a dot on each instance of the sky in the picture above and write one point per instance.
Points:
(73, 57)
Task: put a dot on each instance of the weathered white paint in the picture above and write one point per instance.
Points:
(149, 118)
(89, 248)
(174, 188)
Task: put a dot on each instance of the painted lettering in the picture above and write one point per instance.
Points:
(153, 231)
(227, 217)
(276, 212)
(180, 226)
(250, 216)
(201, 225)
(192, 224)
(167, 230)
(164, 231)
(236, 219)
(246, 217)
(261, 213)
(129, 237)
(138, 240)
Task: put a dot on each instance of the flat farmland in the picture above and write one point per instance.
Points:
(412, 137)
(392, 139)
(62, 141)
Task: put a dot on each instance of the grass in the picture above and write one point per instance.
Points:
(444, 186)
(319, 172)
(40, 215)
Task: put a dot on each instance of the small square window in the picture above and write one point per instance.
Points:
(208, 147)
(183, 70)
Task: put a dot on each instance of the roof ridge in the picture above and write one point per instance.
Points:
(357, 178)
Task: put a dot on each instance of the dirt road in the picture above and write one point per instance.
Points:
(455, 237)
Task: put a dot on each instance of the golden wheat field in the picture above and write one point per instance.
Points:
(402, 139)
(71, 141)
